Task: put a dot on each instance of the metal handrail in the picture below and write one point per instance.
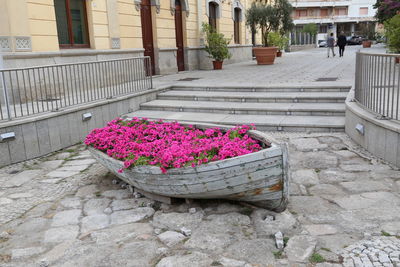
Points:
(377, 83)
(32, 90)
(379, 54)
(75, 63)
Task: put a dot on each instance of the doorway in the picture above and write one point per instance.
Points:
(179, 36)
(147, 32)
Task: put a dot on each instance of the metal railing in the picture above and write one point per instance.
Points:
(302, 38)
(28, 91)
(377, 83)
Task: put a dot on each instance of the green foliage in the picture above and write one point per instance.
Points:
(383, 233)
(392, 27)
(270, 17)
(276, 39)
(285, 240)
(246, 211)
(278, 254)
(316, 258)
(386, 9)
(216, 44)
(234, 134)
(310, 28)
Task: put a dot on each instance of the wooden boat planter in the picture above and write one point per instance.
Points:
(260, 178)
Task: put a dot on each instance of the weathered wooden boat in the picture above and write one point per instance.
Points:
(260, 178)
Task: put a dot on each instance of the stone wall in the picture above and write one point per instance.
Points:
(294, 48)
(239, 53)
(380, 137)
(48, 132)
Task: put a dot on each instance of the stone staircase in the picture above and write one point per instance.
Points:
(315, 109)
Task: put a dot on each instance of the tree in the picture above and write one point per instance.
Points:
(310, 28)
(392, 27)
(270, 17)
(386, 9)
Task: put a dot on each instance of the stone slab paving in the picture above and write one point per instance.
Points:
(344, 210)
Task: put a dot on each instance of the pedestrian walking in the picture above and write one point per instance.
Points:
(331, 44)
(341, 42)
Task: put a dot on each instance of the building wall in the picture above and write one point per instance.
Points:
(114, 25)
(42, 25)
(129, 25)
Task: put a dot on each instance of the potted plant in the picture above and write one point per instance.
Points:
(278, 40)
(269, 17)
(216, 46)
(369, 33)
(392, 27)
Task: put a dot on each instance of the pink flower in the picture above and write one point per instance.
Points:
(169, 144)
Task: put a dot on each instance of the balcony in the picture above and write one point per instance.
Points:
(329, 19)
(319, 3)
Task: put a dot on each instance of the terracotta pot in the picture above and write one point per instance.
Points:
(366, 44)
(217, 65)
(265, 55)
(279, 53)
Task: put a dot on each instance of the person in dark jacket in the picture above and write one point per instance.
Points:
(341, 42)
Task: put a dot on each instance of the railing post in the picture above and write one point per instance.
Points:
(357, 79)
(3, 82)
(151, 78)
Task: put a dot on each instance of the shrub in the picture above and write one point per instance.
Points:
(392, 27)
(386, 9)
(216, 44)
(276, 39)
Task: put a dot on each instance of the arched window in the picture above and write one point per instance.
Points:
(212, 15)
(71, 23)
(236, 25)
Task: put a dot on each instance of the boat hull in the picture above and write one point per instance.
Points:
(260, 178)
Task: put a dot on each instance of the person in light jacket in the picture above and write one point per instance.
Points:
(330, 42)
(341, 42)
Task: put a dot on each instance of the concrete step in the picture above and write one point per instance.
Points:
(300, 88)
(262, 122)
(289, 109)
(265, 97)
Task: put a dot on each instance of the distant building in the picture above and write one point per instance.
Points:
(350, 16)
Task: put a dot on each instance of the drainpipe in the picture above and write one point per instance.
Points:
(200, 34)
(200, 21)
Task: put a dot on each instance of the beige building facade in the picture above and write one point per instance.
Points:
(45, 32)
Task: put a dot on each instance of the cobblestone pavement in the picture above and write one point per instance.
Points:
(295, 68)
(67, 210)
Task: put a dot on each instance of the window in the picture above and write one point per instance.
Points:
(323, 12)
(323, 29)
(301, 13)
(363, 11)
(212, 18)
(71, 23)
(236, 26)
(340, 11)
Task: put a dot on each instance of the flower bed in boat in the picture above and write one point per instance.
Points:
(169, 144)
